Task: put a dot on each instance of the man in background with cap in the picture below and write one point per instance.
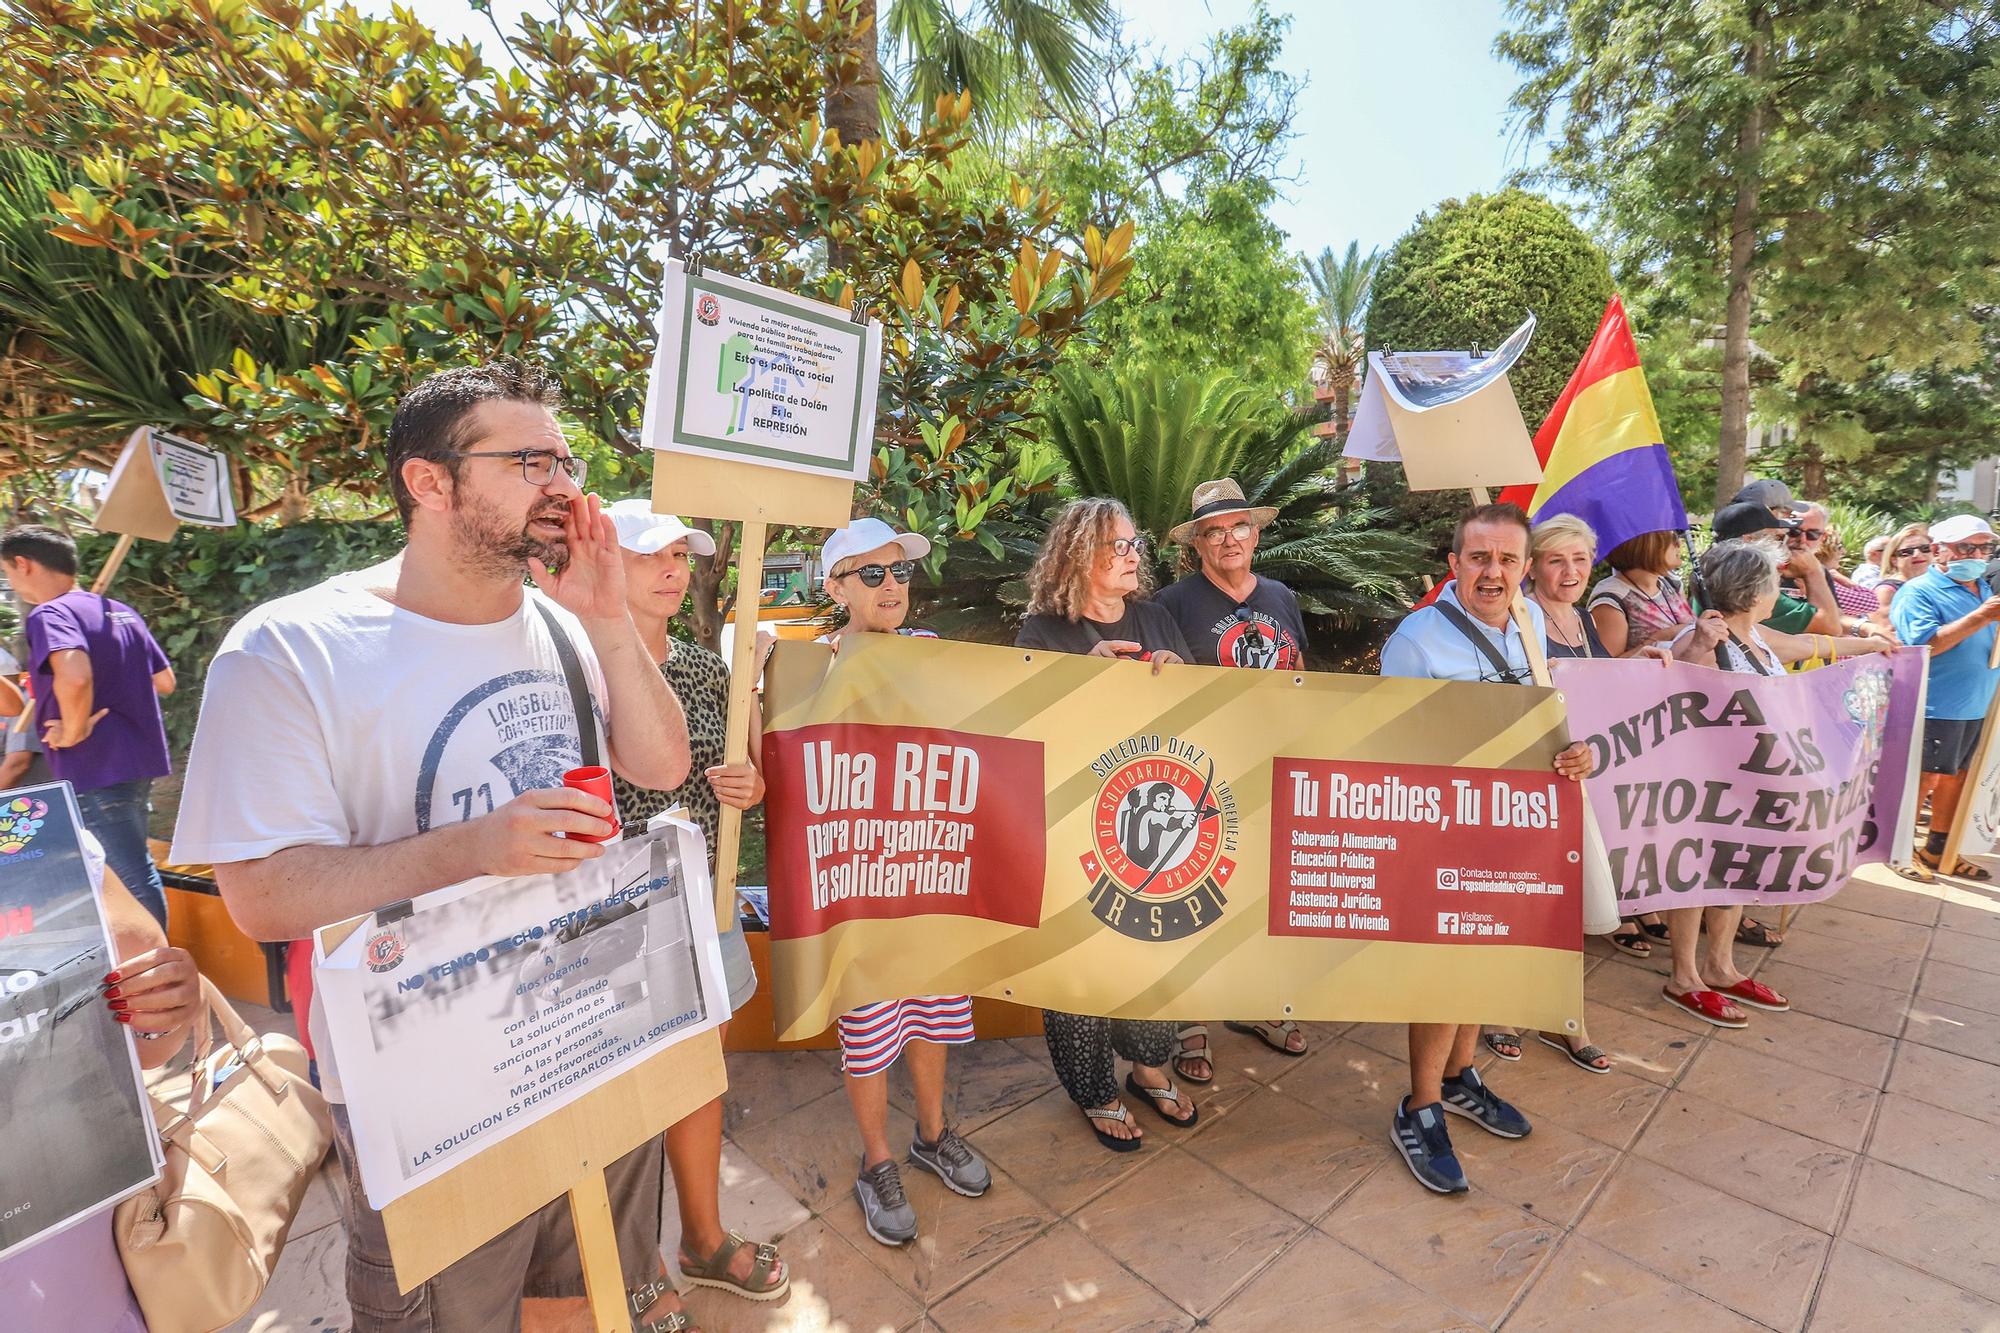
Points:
(1232, 617)
(1751, 521)
(1952, 609)
(1772, 494)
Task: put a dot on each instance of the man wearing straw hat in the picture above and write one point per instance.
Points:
(1232, 616)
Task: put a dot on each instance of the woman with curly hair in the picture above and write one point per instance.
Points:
(1087, 594)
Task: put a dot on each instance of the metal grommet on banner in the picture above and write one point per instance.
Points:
(1008, 991)
(1288, 1011)
(1570, 1025)
(1574, 857)
(1027, 657)
(1298, 680)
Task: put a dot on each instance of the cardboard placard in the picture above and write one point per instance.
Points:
(162, 481)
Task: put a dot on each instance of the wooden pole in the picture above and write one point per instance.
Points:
(736, 733)
(597, 1247)
(1982, 754)
(111, 564)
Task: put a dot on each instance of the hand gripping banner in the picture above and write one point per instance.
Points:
(1082, 834)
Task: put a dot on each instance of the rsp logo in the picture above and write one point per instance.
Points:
(1447, 877)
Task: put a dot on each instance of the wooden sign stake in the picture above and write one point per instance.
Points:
(1981, 754)
(119, 551)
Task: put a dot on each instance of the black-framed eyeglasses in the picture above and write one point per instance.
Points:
(1124, 546)
(538, 466)
(1213, 536)
(1905, 552)
(872, 575)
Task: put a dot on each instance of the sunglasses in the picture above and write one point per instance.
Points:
(1808, 534)
(872, 575)
(1904, 552)
(1124, 546)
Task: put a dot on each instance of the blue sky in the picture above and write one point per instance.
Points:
(1404, 104)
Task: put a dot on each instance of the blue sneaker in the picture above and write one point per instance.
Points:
(1420, 1136)
(1468, 1095)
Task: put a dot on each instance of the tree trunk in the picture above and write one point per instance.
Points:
(1732, 452)
(1812, 473)
(1931, 482)
(293, 503)
(855, 108)
(706, 612)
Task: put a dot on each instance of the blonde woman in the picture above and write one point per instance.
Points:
(1907, 555)
(1087, 594)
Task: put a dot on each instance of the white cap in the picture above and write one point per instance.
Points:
(865, 535)
(642, 532)
(1958, 528)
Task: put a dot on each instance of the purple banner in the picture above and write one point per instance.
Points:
(1714, 788)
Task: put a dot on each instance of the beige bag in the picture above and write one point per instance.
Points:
(243, 1132)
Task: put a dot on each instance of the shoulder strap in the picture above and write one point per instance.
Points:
(579, 692)
(1750, 655)
(1463, 624)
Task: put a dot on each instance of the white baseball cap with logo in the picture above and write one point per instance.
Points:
(868, 534)
(1959, 528)
(642, 531)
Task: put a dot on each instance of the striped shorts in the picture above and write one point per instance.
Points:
(872, 1036)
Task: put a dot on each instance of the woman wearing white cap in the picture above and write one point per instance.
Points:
(869, 566)
(656, 550)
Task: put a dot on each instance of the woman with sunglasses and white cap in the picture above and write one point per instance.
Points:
(1087, 594)
(656, 549)
(869, 566)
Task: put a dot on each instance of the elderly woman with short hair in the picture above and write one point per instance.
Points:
(1087, 594)
(1740, 586)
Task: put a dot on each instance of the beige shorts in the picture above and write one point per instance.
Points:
(482, 1292)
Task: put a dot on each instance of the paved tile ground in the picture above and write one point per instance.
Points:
(1835, 1168)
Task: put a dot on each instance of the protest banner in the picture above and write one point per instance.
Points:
(76, 1128)
(507, 999)
(159, 482)
(1082, 834)
(1715, 789)
(761, 409)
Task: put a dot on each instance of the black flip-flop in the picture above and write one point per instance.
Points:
(1494, 1039)
(1112, 1141)
(1757, 935)
(1633, 942)
(1580, 1056)
(1154, 1096)
(1657, 931)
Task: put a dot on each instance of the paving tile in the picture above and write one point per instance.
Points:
(983, 1081)
(1320, 1283)
(1063, 1281)
(1951, 1027)
(764, 1085)
(1821, 1106)
(1904, 900)
(815, 1151)
(1286, 1151)
(1474, 1251)
(1390, 1039)
(1648, 1047)
(1945, 1232)
(1552, 1173)
(1940, 1078)
(1863, 1292)
(1191, 1232)
(1765, 1164)
(1838, 999)
(1964, 949)
(1587, 1285)
(1757, 1263)
(1636, 990)
(1357, 1088)
(957, 1238)
(1854, 959)
(834, 1290)
(1980, 918)
(1607, 1107)
(1833, 920)
(1815, 1043)
(1048, 1148)
(308, 1292)
(1963, 986)
(1953, 1149)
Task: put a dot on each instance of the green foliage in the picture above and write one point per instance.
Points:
(1341, 286)
(192, 589)
(1471, 270)
(1004, 52)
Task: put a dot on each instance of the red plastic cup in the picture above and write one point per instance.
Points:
(596, 781)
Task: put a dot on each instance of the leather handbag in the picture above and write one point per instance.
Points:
(243, 1132)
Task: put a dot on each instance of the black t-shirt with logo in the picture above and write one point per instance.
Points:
(1265, 631)
(1144, 623)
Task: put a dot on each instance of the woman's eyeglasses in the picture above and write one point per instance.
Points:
(872, 575)
(1124, 546)
(1905, 552)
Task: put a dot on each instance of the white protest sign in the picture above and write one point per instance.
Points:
(1449, 417)
(750, 374)
(162, 481)
(469, 1014)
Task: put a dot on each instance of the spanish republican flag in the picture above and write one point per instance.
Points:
(1604, 457)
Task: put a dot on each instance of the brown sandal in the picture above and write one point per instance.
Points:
(714, 1271)
(642, 1298)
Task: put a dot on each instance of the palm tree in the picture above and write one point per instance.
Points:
(1004, 52)
(1341, 288)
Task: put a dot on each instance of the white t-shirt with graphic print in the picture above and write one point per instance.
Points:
(332, 718)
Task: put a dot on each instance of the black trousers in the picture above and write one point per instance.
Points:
(1081, 1047)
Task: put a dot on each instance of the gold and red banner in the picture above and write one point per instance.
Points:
(1204, 843)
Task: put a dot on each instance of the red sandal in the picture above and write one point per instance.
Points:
(1757, 995)
(1706, 1005)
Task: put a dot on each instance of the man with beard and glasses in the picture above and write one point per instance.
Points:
(407, 727)
(1467, 634)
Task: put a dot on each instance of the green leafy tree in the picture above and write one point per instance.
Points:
(1471, 270)
(1821, 180)
(1341, 287)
